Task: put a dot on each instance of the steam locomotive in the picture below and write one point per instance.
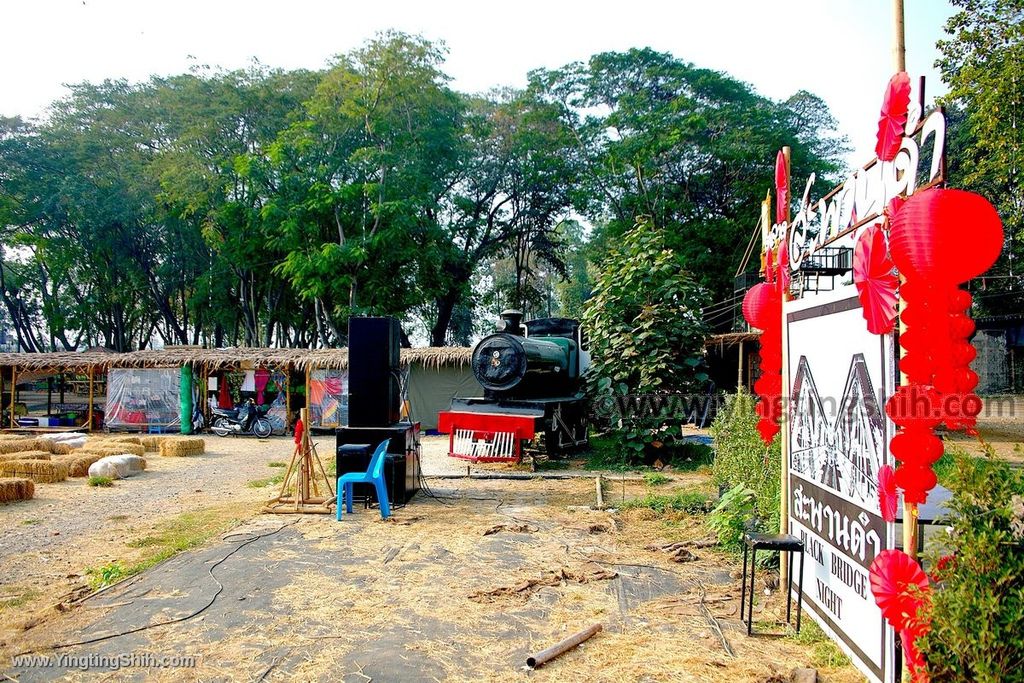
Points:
(532, 377)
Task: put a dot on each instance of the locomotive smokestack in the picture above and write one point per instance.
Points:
(511, 322)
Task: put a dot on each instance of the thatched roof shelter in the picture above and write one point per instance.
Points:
(219, 359)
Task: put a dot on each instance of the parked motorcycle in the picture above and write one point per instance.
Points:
(249, 419)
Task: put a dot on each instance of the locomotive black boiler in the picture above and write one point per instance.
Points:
(531, 375)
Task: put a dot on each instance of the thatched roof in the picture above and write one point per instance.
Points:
(220, 359)
(730, 339)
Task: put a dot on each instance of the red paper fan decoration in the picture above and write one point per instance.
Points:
(876, 283)
(887, 496)
(893, 119)
(898, 584)
(781, 188)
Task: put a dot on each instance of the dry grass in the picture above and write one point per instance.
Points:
(182, 447)
(25, 455)
(12, 489)
(39, 471)
(57, 448)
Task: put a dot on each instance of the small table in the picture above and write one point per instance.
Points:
(780, 543)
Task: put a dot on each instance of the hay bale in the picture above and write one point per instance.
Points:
(152, 443)
(124, 438)
(14, 488)
(39, 471)
(25, 455)
(183, 447)
(61, 448)
(117, 466)
(113, 448)
(79, 464)
(20, 445)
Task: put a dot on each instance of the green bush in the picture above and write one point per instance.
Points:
(742, 459)
(646, 338)
(977, 611)
(99, 481)
(730, 517)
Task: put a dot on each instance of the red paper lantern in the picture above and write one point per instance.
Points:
(767, 429)
(916, 446)
(759, 305)
(916, 481)
(949, 236)
(915, 405)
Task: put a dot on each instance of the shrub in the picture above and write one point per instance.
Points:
(655, 479)
(646, 340)
(731, 516)
(978, 607)
(742, 459)
(100, 481)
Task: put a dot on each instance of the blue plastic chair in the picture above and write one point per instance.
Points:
(374, 474)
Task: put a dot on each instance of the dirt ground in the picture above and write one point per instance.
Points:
(427, 594)
(1001, 426)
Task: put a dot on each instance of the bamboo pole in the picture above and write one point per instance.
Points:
(88, 420)
(899, 47)
(784, 476)
(14, 395)
(287, 398)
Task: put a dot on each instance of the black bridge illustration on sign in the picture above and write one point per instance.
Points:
(842, 455)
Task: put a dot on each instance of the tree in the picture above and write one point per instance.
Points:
(983, 65)
(645, 332)
(691, 148)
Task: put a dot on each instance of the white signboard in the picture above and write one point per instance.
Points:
(839, 375)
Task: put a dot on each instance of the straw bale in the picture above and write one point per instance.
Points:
(123, 438)
(22, 445)
(152, 443)
(39, 471)
(78, 464)
(13, 488)
(183, 447)
(60, 448)
(113, 448)
(25, 455)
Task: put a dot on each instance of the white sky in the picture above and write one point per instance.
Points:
(838, 49)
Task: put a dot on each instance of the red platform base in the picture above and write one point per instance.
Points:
(486, 437)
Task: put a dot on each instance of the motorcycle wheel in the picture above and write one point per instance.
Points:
(221, 427)
(262, 428)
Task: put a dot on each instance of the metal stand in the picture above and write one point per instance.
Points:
(781, 543)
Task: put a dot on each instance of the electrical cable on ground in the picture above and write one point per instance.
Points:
(220, 589)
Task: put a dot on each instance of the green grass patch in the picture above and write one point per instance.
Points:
(685, 501)
(184, 532)
(655, 479)
(30, 522)
(277, 463)
(263, 483)
(825, 654)
(19, 600)
(100, 481)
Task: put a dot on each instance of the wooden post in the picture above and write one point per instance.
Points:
(899, 47)
(739, 369)
(306, 470)
(14, 394)
(88, 419)
(287, 397)
(784, 476)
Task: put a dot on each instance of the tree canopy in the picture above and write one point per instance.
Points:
(265, 207)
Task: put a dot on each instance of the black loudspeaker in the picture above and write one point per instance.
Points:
(374, 398)
(401, 465)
